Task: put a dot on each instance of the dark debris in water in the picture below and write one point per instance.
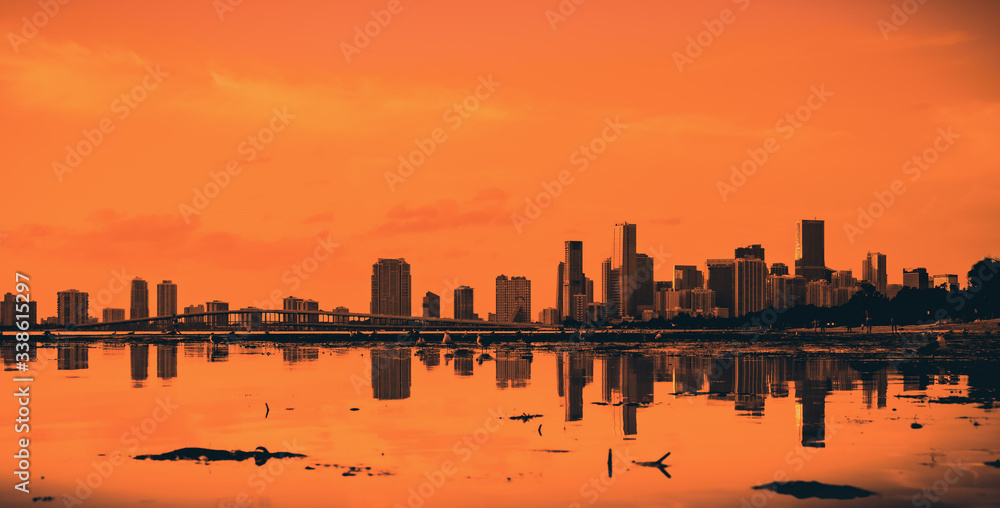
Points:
(805, 490)
(42, 499)
(916, 426)
(995, 463)
(524, 417)
(352, 470)
(260, 455)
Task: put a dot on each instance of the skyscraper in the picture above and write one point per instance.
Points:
(217, 306)
(140, 299)
(391, 287)
(721, 279)
(9, 314)
(513, 299)
(111, 315)
(688, 277)
(643, 282)
(609, 277)
(73, 307)
(559, 290)
(779, 269)
(166, 299)
(432, 305)
(750, 278)
(623, 259)
(873, 271)
(755, 250)
(916, 278)
(810, 251)
(573, 280)
(464, 302)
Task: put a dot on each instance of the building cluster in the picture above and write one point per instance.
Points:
(722, 287)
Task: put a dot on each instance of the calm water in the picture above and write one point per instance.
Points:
(425, 430)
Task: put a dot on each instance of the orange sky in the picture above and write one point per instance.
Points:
(324, 174)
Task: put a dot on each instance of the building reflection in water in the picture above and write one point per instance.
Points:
(292, 354)
(430, 357)
(195, 349)
(391, 376)
(628, 384)
(513, 369)
(9, 352)
(751, 385)
(218, 352)
(166, 361)
(463, 365)
(73, 356)
(139, 360)
(575, 370)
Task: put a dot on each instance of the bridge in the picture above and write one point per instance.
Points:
(295, 320)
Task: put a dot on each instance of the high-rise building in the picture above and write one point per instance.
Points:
(464, 303)
(818, 293)
(916, 278)
(702, 301)
(166, 299)
(9, 316)
(549, 316)
(843, 285)
(513, 299)
(873, 271)
(110, 315)
(688, 277)
(947, 281)
(73, 307)
(643, 282)
(609, 277)
(785, 291)
(721, 279)
(589, 283)
(810, 251)
(559, 288)
(750, 278)
(140, 299)
(217, 306)
(755, 250)
(779, 269)
(194, 309)
(574, 282)
(623, 259)
(432, 305)
(291, 303)
(391, 287)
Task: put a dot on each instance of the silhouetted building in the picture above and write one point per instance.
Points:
(703, 301)
(949, 282)
(139, 308)
(139, 360)
(779, 269)
(623, 259)
(217, 306)
(750, 279)
(574, 282)
(612, 294)
(432, 305)
(72, 357)
(73, 307)
(873, 271)
(722, 279)
(391, 287)
(843, 285)
(559, 289)
(644, 283)
(112, 315)
(549, 316)
(166, 299)
(818, 293)
(597, 312)
(166, 361)
(464, 300)
(754, 251)
(810, 251)
(786, 291)
(513, 299)
(513, 369)
(391, 375)
(916, 278)
(194, 309)
(9, 315)
(688, 277)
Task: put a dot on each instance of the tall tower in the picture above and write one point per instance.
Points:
(432, 305)
(73, 307)
(573, 282)
(166, 299)
(609, 277)
(873, 271)
(513, 299)
(463, 302)
(140, 299)
(559, 290)
(721, 279)
(750, 278)
(810, 251)
(623, 260)
(391, 287)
